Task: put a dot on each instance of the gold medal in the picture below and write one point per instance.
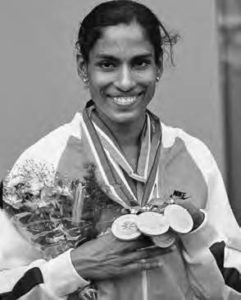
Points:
(124, 227)
(178, 218)
(152, 223)
(164, 240)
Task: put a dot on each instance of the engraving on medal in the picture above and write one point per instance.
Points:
(125, 228)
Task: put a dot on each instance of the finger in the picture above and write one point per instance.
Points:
(140, 243)
(155, 250)
(142, 265)
(118, 247)
(110, 238)
(151, 263)
(144, 254)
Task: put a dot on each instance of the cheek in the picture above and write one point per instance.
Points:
(99, 78)
(99, 82)
(150, 91)
(147, 78)
(149, 82)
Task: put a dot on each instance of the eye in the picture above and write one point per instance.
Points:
(142, 64)
(106, 65)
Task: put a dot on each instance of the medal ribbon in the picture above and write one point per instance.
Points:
(108, 142)
(113, 177)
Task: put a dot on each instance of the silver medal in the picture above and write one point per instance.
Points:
(152, 223)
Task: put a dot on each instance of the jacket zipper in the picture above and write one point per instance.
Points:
(144, 285)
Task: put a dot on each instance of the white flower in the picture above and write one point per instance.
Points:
(13, 200)
(35, 186)
(13, 181)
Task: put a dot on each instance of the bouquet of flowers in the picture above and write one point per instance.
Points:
(55, 215)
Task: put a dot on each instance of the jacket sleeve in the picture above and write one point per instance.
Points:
(37, 279)
(213, 251)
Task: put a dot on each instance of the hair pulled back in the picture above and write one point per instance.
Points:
(115, 12)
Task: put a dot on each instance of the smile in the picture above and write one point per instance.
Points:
(124, 100)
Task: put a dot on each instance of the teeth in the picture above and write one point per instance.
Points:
(124, 100)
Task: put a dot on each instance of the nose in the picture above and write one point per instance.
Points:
(125, 79)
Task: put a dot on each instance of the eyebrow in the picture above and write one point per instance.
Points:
(112, 57)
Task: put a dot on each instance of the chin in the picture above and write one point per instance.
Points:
(126, 116)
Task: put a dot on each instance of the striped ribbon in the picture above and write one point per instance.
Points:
(113, 177)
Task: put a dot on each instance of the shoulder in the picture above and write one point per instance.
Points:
(196, 148)
(170, 134)
(49, 148)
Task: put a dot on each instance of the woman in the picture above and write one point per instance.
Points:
(137, 160)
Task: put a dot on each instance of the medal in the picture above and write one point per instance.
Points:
(124, 227)
(152, 223)
(178, 218)
(164, 240)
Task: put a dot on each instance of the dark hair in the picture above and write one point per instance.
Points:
(114, 12)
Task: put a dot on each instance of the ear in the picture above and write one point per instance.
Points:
(159, 69)
(82, 68)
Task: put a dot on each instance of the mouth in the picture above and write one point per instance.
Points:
(125, 100)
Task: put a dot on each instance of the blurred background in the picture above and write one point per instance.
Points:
(229, 39)
(40, 89)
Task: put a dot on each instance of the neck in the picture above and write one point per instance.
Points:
(126, 134)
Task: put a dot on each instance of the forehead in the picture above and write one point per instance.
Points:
(123, 40)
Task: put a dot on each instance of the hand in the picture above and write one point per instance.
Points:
(107, 257)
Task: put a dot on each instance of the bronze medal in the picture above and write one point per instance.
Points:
(164, 240)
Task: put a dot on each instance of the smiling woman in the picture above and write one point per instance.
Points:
(122, 74)
(115, 204)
